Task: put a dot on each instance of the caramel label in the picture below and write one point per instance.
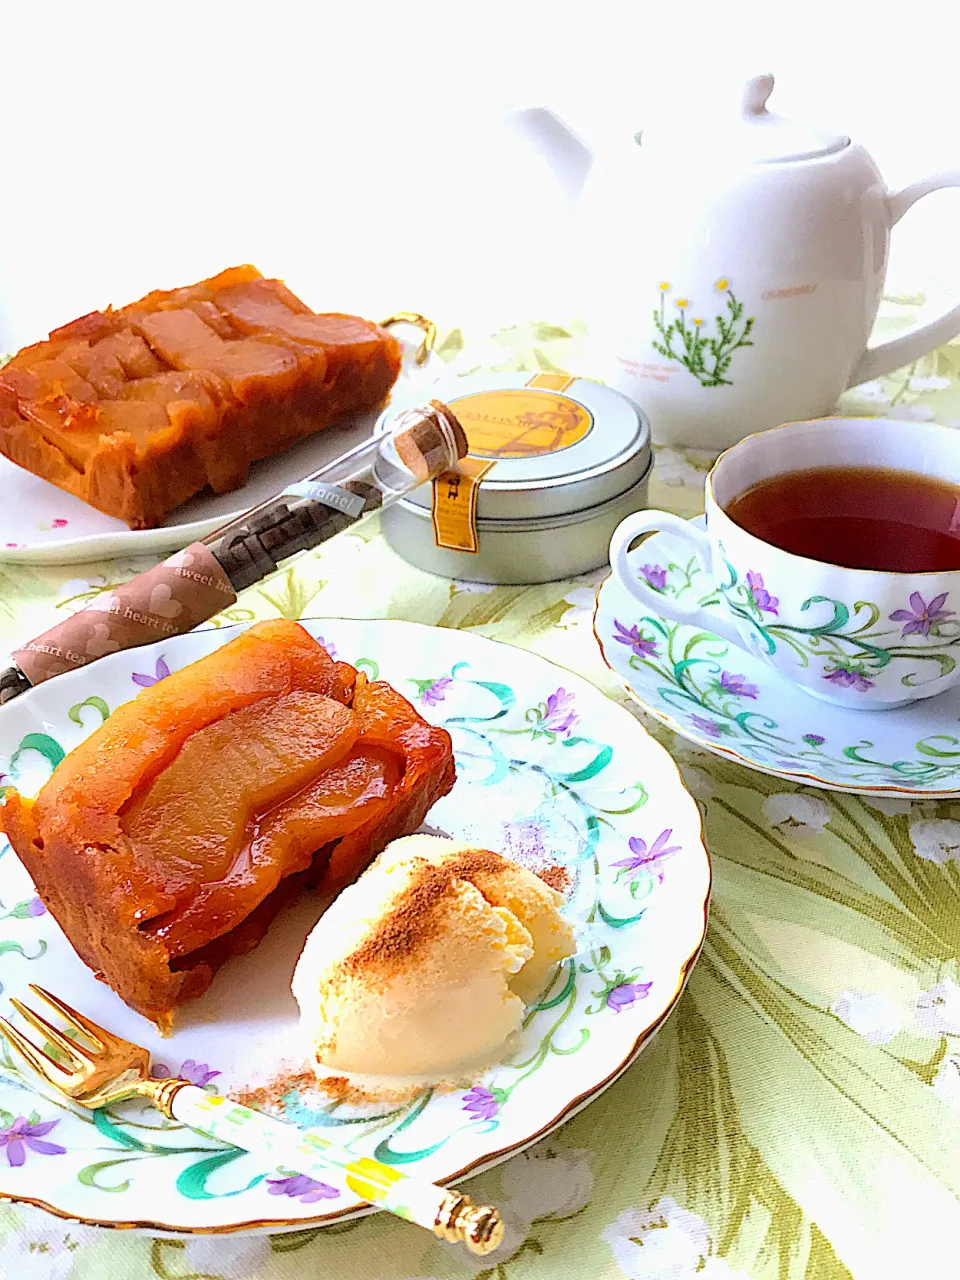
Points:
(455, 505)
(523, 422)
(331, 495)
(167, 600)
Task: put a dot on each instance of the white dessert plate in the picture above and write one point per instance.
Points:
(41, 524)
(730, 702)
(550, 772)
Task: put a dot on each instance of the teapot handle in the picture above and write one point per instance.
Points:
(916, 342)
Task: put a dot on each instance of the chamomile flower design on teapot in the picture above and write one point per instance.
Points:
(707, 355)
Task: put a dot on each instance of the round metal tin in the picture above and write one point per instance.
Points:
(570, 457)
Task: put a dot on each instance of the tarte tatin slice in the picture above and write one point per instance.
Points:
(167, 841)
(137, 410)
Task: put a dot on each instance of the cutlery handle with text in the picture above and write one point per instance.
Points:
(168, 600)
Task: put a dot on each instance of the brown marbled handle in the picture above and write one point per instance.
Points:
(168, 600)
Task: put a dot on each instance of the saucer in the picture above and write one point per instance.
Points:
(731, 703)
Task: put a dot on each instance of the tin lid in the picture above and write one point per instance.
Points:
(558, 444)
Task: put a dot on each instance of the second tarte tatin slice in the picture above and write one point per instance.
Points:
(138, 409)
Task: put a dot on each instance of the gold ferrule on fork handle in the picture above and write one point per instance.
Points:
(460, 1221)
(162, 1093)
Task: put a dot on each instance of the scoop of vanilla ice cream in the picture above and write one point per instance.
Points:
(422, 968)
(504, 884)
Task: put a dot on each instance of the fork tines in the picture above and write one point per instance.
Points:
(74, 1051)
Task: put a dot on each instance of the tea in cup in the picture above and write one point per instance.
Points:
(835, 547)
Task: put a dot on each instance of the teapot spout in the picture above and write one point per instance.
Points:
(567, 155)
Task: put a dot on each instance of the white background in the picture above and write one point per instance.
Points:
(358, 149)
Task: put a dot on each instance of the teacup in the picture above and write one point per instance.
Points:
(854, 637)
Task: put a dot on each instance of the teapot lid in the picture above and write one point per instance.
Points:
(757, 135)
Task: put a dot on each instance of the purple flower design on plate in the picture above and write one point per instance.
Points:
(434, 691)
(160, 672)
(559, 716)
(762, 598)
(28, 1134)
(814, 739)
(739, 686)
(920, 617)
(626, 994)
(299, 1187)
(198, 1073)
(642, 858)
(481, 1103)
(631, 636)
(28, 909)
(709, 727)
(655, 575)
(330, 648)
(848, 679)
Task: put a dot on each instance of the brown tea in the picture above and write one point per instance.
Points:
(858, 517)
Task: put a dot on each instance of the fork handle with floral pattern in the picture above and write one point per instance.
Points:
(448, 1214)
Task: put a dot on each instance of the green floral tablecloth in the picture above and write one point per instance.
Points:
(797, 1116)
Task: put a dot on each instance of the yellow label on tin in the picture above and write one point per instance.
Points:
(551, 381)
(521, 422)
(455, 505)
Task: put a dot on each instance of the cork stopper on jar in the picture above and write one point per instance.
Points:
(429, 440)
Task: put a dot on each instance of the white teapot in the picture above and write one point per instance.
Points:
(734, 265)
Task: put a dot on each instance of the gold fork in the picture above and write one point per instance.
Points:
(113, 1070)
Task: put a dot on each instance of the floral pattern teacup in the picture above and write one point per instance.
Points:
(854, 637)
